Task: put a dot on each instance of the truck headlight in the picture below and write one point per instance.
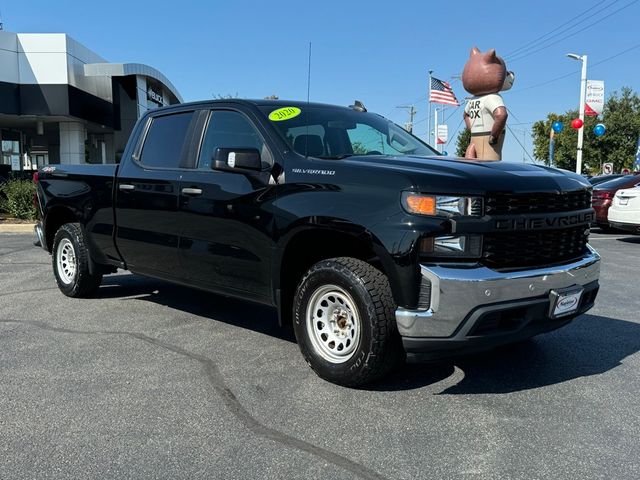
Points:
(441, 205)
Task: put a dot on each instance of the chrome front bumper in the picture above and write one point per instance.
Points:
(456, 291)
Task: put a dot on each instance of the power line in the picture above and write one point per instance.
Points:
(526, 45)
(451, 114)
(520, 143)
(456, 131)
(593, 65)
(525, 55)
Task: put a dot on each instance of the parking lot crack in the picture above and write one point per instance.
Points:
(229, 398)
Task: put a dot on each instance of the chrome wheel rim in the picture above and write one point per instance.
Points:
(66, 261)
(333, 323)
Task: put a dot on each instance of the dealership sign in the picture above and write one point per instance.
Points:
(594, 100)
(443, 134)
(154, 96)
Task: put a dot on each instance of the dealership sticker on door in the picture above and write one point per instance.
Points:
(564, 301)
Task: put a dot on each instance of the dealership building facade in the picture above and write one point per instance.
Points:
(62, 103)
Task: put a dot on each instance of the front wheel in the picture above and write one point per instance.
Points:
(344, 321)
(70, 258)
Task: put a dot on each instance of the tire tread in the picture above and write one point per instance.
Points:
(85, 283)
(386, 351)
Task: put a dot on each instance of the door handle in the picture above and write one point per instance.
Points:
(126, 187)
(191, 191)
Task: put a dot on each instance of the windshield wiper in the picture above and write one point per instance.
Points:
(336, 157)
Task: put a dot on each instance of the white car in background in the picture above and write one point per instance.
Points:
(624, 212)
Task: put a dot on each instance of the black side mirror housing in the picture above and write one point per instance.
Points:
(232, 159)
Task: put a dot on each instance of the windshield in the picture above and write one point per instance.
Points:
(334, 132)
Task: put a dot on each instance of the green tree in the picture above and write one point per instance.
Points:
(621, 117)
(463, 141)
(358, 148)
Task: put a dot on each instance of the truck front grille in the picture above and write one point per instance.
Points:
(527, 249)
(514, 204)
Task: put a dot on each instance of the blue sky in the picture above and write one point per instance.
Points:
(377, 52)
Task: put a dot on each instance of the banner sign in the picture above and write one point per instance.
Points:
(594, 100)
(443, 134)
(636, 164)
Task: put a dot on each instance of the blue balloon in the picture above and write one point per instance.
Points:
(445, 153)
(557, 126)
(599, 129)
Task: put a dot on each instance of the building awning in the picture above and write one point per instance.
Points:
(126, 69)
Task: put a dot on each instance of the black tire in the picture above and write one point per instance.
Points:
(378, 349)
(82, 283)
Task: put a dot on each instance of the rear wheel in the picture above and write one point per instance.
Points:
(70, 258)
(344, 321)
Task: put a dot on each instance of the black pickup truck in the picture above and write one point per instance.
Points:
(375, 247)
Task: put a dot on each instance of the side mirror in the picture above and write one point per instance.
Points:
(231, 159)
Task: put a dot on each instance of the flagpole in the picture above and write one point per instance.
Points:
(429, 100)
(435, 130)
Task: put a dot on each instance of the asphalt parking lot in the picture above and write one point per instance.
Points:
(151, 380)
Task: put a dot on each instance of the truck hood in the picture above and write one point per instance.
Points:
(450, 174)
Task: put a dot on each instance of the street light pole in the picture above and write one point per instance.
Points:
(583, 91)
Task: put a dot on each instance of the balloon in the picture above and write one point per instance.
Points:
(557, 126)
(599, 129)
(577, 123)
(445, 153)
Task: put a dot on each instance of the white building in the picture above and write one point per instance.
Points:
(62, 103)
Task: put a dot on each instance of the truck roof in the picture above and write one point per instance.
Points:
(255, 102)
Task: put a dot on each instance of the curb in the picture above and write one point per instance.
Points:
(16, 227)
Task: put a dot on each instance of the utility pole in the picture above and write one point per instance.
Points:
(412, 113)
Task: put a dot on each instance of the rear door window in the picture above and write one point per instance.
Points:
(165, 141)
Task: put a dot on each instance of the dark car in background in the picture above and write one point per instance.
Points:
(598, 179)
(603, 194)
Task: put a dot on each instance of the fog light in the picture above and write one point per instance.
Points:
(469, 246)
(450, 244)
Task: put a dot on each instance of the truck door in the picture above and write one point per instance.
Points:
(147, 194)
(226, 238)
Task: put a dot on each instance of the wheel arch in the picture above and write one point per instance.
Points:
(54, 219)
(313, 241)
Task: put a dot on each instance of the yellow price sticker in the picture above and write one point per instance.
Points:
(284, 113)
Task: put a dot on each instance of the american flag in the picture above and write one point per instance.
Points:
(441, 92)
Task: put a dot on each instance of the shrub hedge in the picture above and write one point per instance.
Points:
(16, 199)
